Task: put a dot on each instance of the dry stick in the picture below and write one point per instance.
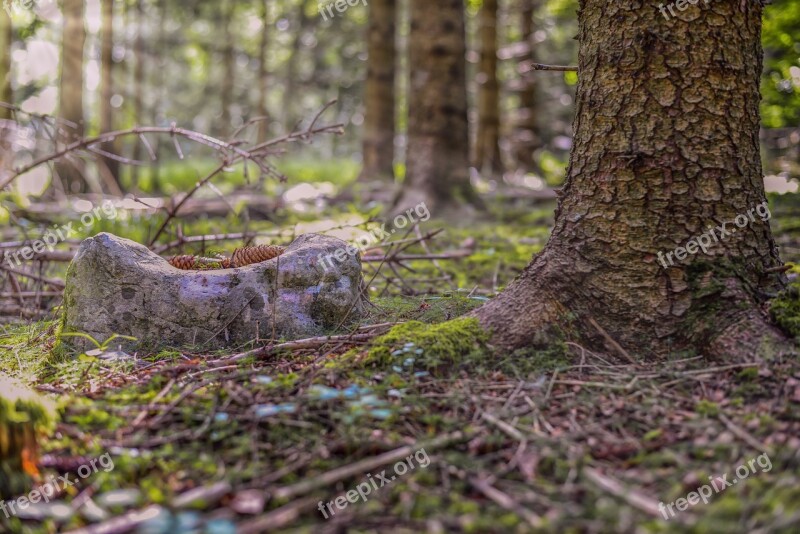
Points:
(310, 343)
(50, 281)
(411, 257)
(174, 211)
(615, 487)
(505, 501)
(744, 435)
(123, 523)
(277, 519)
(540, 66)
(611, 341)
(365, 466)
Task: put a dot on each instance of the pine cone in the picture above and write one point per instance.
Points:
(184, 263)
(194, 263)
(249, 255)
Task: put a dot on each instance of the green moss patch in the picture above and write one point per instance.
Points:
(786, 310)
(432, 346)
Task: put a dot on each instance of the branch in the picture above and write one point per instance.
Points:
(540, 66)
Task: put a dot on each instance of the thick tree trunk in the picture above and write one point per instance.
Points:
(666, 149)
(6, 38)
(71, 94)
(438, 138)
(107, 86)
(379, 98)
(487, 142)
(527, 136)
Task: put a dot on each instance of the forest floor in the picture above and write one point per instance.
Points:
(421, 426)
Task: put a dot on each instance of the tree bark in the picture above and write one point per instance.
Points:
(229, 70)
(6, 39)
(71, 94)
(666, 146)
(438, 137)
(290, 89)
(527, 136)
(487, 144)
(379, 98)
(263, 73)
(107, 86)
(139, 73)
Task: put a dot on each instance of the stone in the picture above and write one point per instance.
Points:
(116, 286)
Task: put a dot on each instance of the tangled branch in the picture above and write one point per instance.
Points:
(232, 152)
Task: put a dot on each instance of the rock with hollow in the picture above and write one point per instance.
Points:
(116, 286)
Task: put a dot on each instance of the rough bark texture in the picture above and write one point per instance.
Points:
(666, 146)
(116, 286)
(107, 85)
(6, 36)
(487, 143)
(438, 138)
(71, 94)
(379, 97)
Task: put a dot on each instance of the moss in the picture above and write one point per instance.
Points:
(785, 310)
(431, 346)
(707, 408)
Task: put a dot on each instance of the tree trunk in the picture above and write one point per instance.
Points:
(6, 39)
(290, 89)
(263, 74)
(438, 137)
(379, 98)
(139, 73)
(666, 147)
(487, 141)
(71, 94)
(527, 137)
(107, 86)
(229, 69)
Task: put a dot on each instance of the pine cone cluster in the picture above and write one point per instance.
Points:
(241, 257)
(250, 255)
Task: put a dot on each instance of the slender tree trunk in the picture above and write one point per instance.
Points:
(438, 137)
(666, 150)
(229, 67)
(487, 142)
(379, 98)
(107, 86)
(71, 94)
(6, 39)
(139, 73)
(527, 136)
(290, 92)
(263, 73)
